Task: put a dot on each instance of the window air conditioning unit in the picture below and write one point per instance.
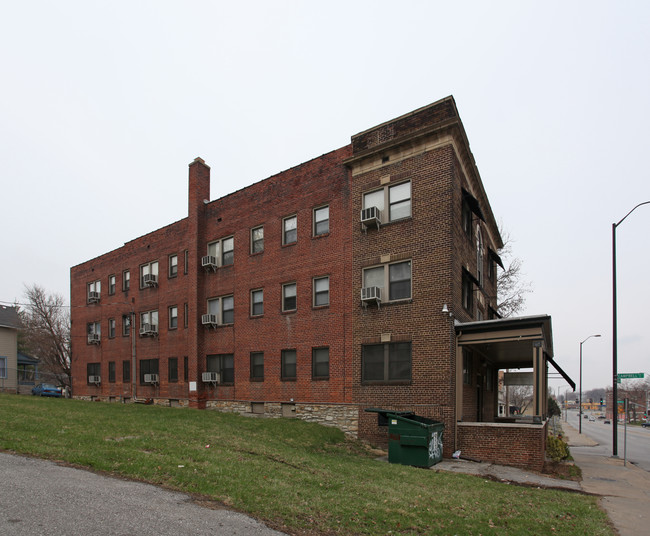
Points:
(209, 262)
(94, 338)
(150, 280)
(148, 330)
(93, 296)
(151, 378)
(371, 295)
(210, 377)
(371, 217)
(209, 320)
(94, 379)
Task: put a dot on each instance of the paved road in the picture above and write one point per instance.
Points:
(40, 497)
(638, 440)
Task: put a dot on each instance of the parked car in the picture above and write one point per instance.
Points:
(46, 389)
(601, 416)
(592, 419)
(607, 421)
(646, 424)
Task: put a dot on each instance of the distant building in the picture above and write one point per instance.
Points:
(9, 324)
(363, 278)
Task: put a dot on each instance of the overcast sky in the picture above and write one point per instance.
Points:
(104, 104)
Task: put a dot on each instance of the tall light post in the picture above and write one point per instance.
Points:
(580, 398)
(615, 337)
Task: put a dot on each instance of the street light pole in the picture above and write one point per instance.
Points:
(580, 399)
(615, 337)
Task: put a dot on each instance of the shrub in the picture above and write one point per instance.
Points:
(556, 448)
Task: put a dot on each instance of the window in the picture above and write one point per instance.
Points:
(321, 291)
(111, 285)
(94, 370)
(223, 251)
(397, 198)
(290, 230)
(257, 240)
(466, 216)
(94, 330)
(467, 292)
(389, 362)
(186, 368)
(148, 366)
(320, 363)
(223, 308)
(468, 366)
(149, 274)
(126, 371)
(173, 317)
(149, 320)
(289, 297)
(185, 315)
(111, 328)
(172, 369)
(396, 277)
(3, 367)
(257, 302)
(111, 371)
(173, 265)
(186, 262)
(126, 325)
(288, 364)
(257, 366)
(321, 220)
(479, 255)
(126, 280)
(224, 364)
(94, 291)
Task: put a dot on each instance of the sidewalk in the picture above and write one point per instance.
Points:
(625, 490)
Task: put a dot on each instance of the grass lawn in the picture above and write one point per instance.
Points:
(297, 477)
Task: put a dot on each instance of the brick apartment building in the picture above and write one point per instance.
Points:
(363, 278)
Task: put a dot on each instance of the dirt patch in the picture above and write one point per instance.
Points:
(562, 470)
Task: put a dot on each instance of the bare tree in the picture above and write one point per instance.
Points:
(46, 332)
(520, 396)
(511, 287)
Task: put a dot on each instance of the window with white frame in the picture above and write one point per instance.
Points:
(111, 328)
(223, 251)
(289, 297)
(387, 362)
(111, 285)
(257, 240)
(94, 330)
(173, 265)
(394, 201)
(149, 320)
(257, 302)
(3, 367)
(126, 325)
(290, 230)
(223, 308)
(126, 280)
(321, 220)
(173, 317)
(288, 365)
(149, 274)
(94, 291)
(396, 277)
(320, 363)
(321, 291)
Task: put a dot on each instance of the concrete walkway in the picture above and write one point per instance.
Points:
(625, 490)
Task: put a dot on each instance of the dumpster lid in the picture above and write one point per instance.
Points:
(385, 412)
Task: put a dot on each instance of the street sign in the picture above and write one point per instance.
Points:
(629, 375)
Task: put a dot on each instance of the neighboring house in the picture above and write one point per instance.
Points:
(9, 324)
(363, 278)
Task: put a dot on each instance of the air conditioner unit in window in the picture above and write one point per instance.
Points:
(151, 378)
(371, 217)
(93, 296)
(210, 377)
(94, 338)
(371, 295)
(150, 280)
(148, 330)
(209, 320)
(209, 262)
(94, 379)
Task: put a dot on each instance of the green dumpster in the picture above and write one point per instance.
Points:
(412, 439)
